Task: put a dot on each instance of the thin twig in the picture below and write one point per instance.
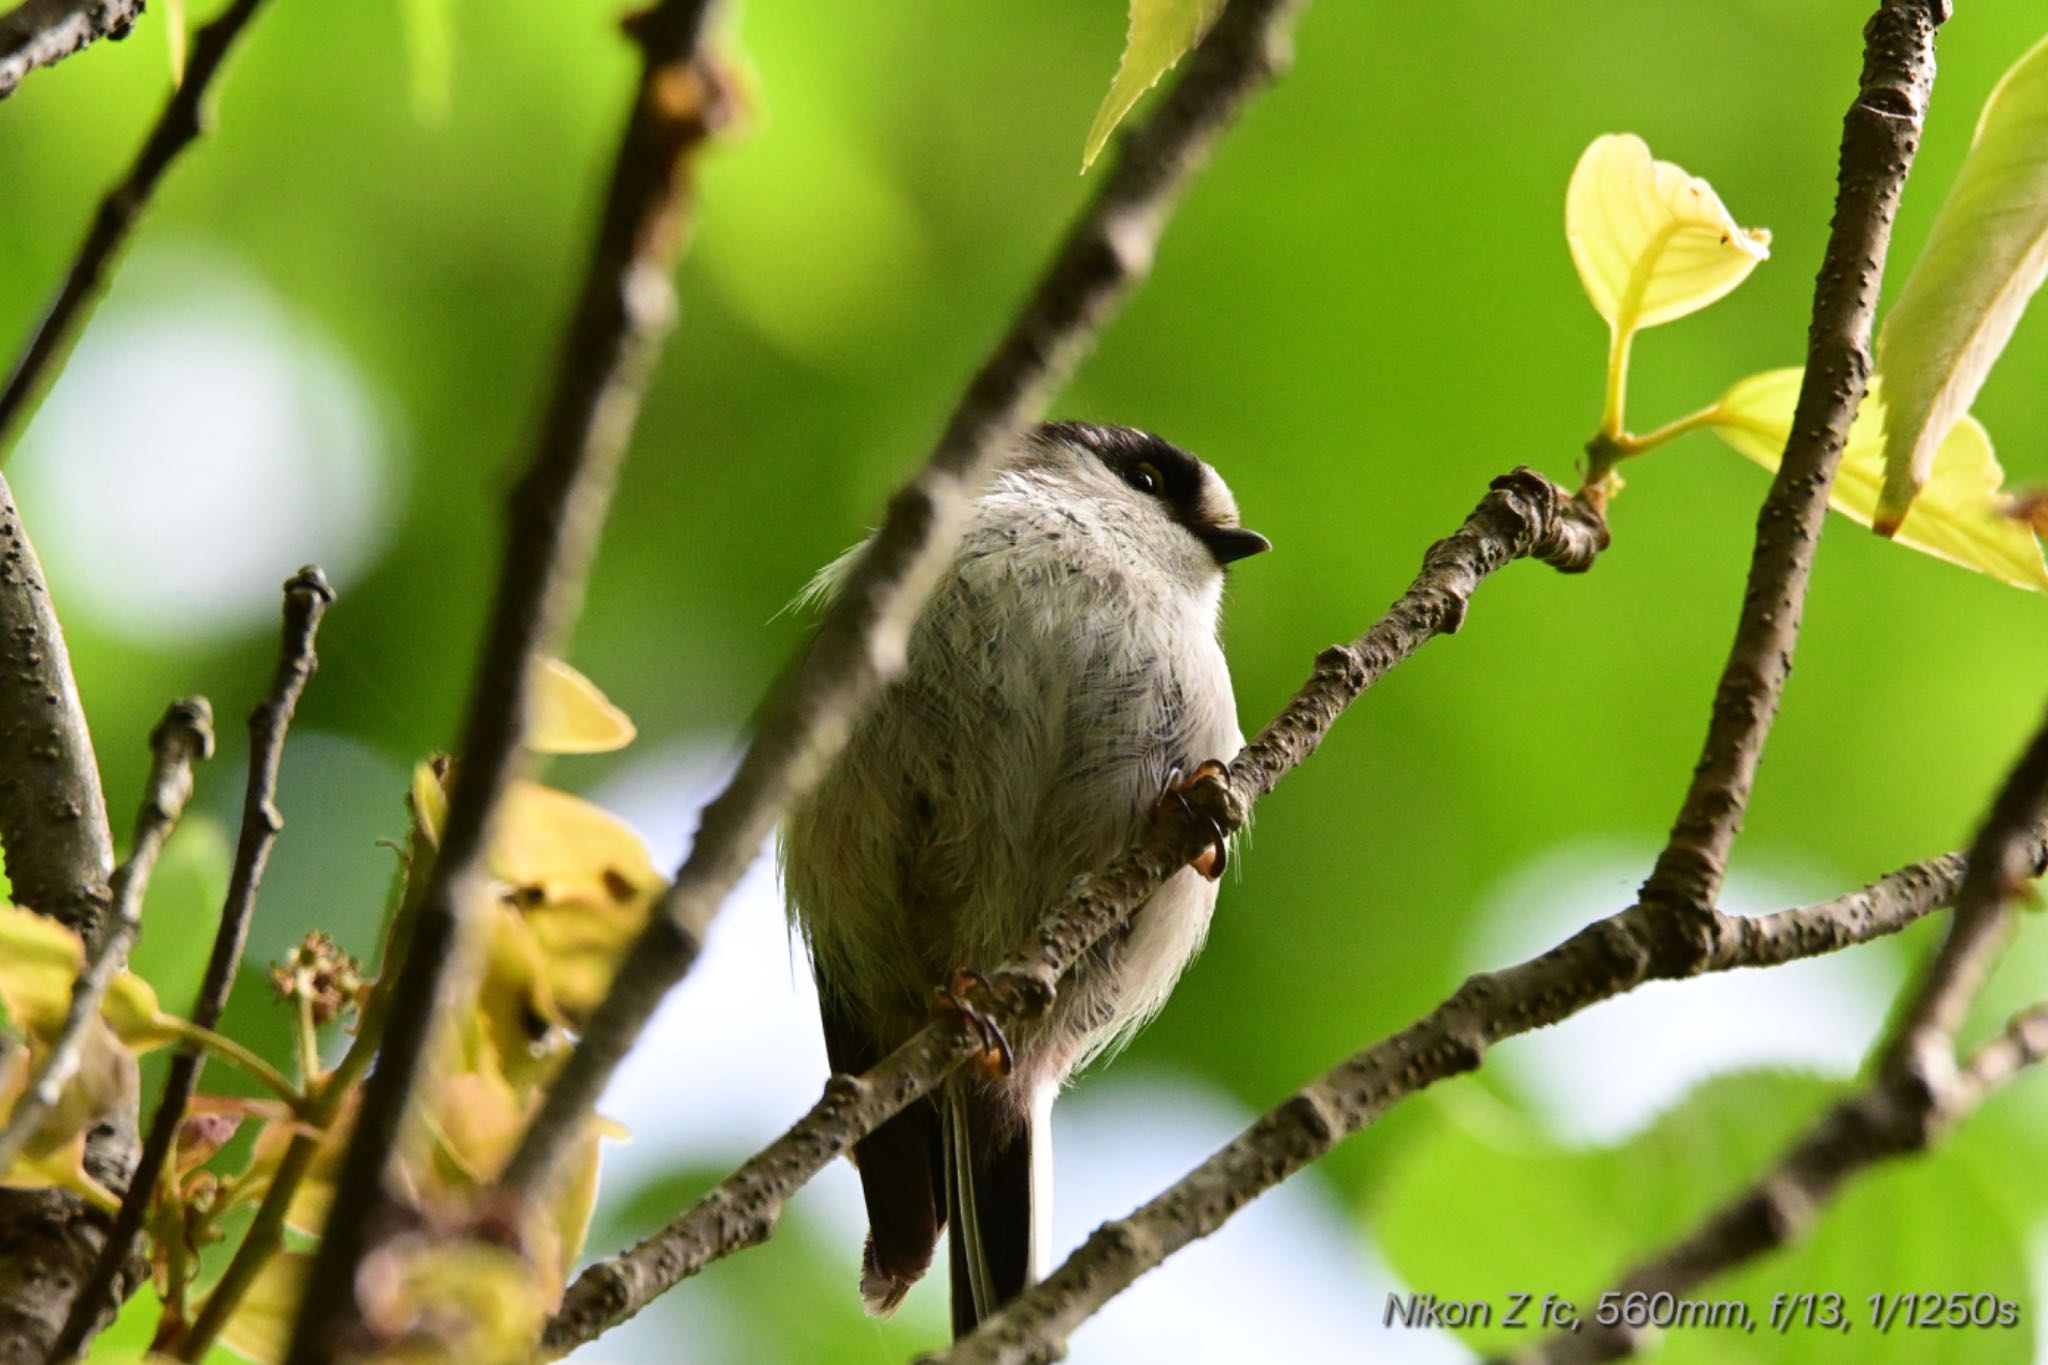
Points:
(306, 598)
(53, 829)
(180, 123)
(626, 308)
(44, 32)
(861, 641)
(265, 1236)
(1523, 516)
(1879, 136)
(184, 735)
(1917, 1092)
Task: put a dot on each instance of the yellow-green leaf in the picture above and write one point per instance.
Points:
(261, 1326)
(1960, 517)
(1161, 33)
(39, 959)
(1651, 243)
(562, 848)
(1986, 255)
(570, 716)
(176, 32)
(429, 56)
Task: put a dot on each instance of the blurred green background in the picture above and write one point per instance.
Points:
(331, 339)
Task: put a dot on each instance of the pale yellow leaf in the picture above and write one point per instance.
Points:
(1651, 243)
(1960, 517)
(570, 716)
(1161, 33)
(39, 959)
(261, 1326)
(560, 847)
(1986, 255)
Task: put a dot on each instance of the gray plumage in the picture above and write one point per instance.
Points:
(1064, 671)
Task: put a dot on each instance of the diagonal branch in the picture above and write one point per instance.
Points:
(1607, 958)
(626, 308)
(184, 735)
(1917, 1093)
(1879, 136)
(44, 32)
(861, 641)
(306, 599)
(180, 124)
(1524, 516)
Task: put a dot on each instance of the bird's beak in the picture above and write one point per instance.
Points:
(1232, 543)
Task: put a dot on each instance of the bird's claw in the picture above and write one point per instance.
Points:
(957, 1000)
(1215, 857)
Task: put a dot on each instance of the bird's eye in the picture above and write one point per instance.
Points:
(1144, 477)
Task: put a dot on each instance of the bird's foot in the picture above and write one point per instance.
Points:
(965, 999)
(1214, 858)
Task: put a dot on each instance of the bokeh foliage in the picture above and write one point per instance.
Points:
(1365, 311)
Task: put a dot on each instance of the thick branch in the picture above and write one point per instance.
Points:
(53, 828)
(306, 599)
(45, 32)
(184, 735)
(53, 819)
(1879, 136)
(626, 308)
(1524, 516)
(1918, 1091)
(179, 124)
(861, 642)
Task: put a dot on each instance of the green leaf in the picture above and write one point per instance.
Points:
(1651, 242)
(1536, 1216)
(1161, 33)
(429, 55)
(1961, 516)
(177, 32)
(1985, 256)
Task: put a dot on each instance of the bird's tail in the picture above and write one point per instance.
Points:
(998, 1199)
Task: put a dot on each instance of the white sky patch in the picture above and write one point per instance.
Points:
(1602, 1074)
(201, 445)
(735, 1055)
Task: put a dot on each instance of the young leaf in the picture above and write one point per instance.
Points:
(176, 33)
(1985, 256)
(1161, 33)
(1651, 243)
(261, 1326)
(430, 56)
(570, 716)
(1961, 517)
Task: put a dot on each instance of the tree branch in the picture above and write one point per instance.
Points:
(45, 32)
(1879, 136)
(1917, 1093)
(184, 735)
(1607, 958)
(53, 818)
(306, 599)
(626, 308)
(1523, 516)
(180, 123)
(861, 641)
(53, 829)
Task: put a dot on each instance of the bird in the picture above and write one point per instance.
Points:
(1064, 676)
